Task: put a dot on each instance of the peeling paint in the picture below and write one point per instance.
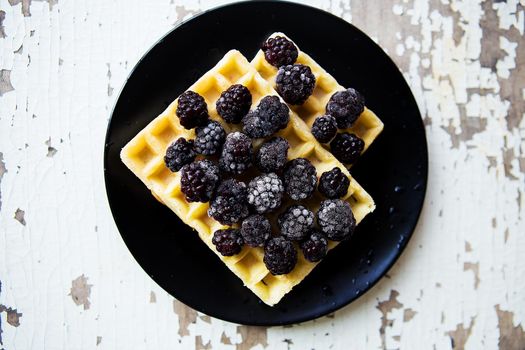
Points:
(474, 267)
(408, 314)
(5, 81)
(152, 296)
(200, 346)
(385, 307)
(3, 170)
(99, 340)
(225, 339)
(25, 6)
(459, 336)
(81, 291)
(205, 318)
(510, 337)
(468, 247)
(13, 316)
(186, 315)
(182, 12)
(2, 29)
(252, 336)
(19, 216)
(51, 151)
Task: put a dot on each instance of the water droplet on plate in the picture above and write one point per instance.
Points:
(399, 189)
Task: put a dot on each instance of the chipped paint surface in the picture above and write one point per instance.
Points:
(459, 284)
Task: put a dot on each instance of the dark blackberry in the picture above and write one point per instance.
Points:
(199, 180)
(324, 128)
(347, 147)
(279, 51)
(280, 256)
(270, 116)
(272, 155)
(228, 242)
(179, 153)
(192, 110)
(265, 192)
(234, 103)
(336, 220)
(346, 106)
(237, 153)
(300, 178)
(256, 230)
(296, 222)
(295, 83)
(229, 205)
(315, 247)
(333, 183)
(210, 138)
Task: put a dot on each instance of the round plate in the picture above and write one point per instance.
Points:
(393, 170)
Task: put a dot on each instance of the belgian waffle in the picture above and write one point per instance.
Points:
(368, 126)
(143, 155)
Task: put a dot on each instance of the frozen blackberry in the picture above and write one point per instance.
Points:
(234, 103)
(237, 153)
(265, 192)
(280, 256)
(210, 138)
(336, 220)
(199, 180)
(270, 116)
(279, 51)
(333, 183)
(179, 153)
(347, 147)
(346, 106)
(256, 230)
(228, 242)
(272, 155)
(300, 178)
(324, 128)
(295, 83)
(229, 205)
(192, 110)
(296, 222)
(315, 247)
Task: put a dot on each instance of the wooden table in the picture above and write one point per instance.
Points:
(67, 279)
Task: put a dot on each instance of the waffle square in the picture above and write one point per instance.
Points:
(143, 155)
(368, 126)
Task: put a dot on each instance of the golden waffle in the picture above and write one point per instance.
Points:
(144, 156)
(368, 126)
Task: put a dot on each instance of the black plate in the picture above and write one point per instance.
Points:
(393, 170)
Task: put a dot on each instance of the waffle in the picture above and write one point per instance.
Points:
(368, 126)
(143, 155)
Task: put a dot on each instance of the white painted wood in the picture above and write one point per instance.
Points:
(461, 280)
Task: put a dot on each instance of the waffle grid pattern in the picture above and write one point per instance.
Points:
(368, 126)
(143, 155)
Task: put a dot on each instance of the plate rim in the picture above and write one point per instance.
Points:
(333, 307)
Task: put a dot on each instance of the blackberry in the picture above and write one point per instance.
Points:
(346, 106)
(234, 103)
(228, 242)
(270, 116)
(192, 110)
(296, 222)
(279, 51)
(295, 83)
(229, 205)
(336, 220)
(280, 256)
(347, 147)
(199, 180)
(237, 153)
(315, 247)
(300, 178)
(179, 153)
(210, 138)
(256, 230)
(324, 128)
(333, 183)
(265, 192)
(272, 155)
